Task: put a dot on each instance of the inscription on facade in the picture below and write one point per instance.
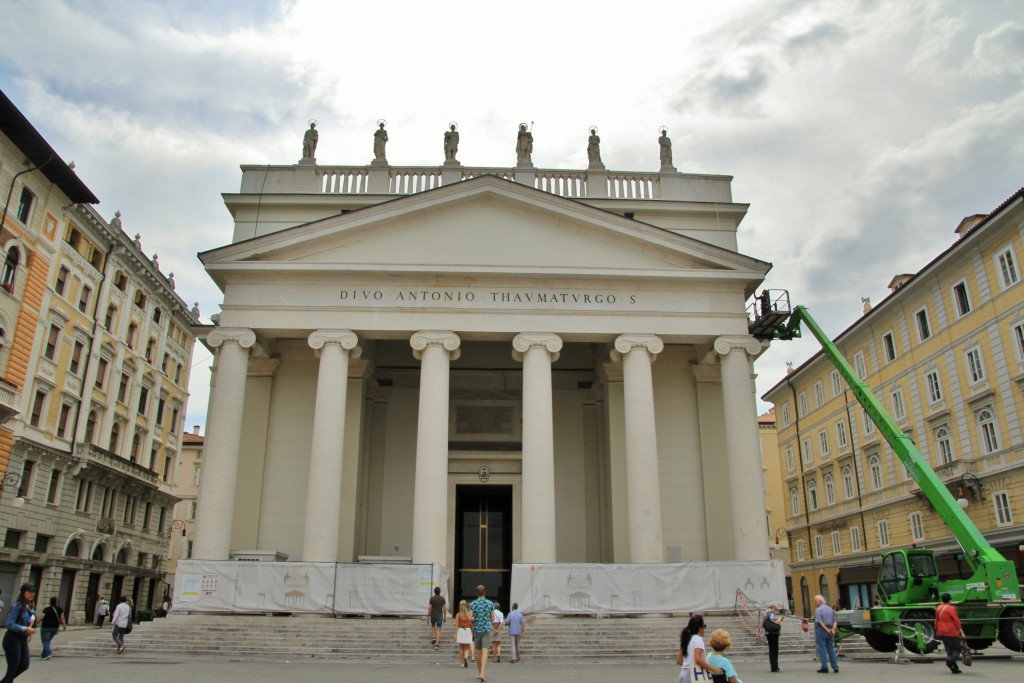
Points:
(405, 297)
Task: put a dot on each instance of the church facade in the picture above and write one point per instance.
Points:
(475, 367)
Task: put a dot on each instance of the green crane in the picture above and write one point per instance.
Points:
(909, 585)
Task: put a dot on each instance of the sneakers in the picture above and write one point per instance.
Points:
(47, 657)
(823, 671)
(120, 649)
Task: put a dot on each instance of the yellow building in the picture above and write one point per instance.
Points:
(944, 352)
(96, 348)
(774, 500)
(183, 528)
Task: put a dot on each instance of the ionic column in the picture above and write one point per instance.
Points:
(323, 492)
(435, 350)
(215, 512)
(643, 486)
(536, 352)
(750, 530)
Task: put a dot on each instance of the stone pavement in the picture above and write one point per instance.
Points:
(137, 667)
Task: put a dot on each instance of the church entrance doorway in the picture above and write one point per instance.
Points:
(483, 542)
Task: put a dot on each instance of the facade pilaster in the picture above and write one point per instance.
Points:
(536, 351)
(750, 528)
(323, 492)
(435, 350)
(215, 516)
(643, 485)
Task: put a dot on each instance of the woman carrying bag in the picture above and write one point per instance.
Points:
(20, 629)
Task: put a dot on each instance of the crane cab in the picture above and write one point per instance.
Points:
(908, 576)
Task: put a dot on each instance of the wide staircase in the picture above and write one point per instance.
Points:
(547, 639)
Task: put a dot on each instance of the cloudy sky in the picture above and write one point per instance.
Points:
(859, 132)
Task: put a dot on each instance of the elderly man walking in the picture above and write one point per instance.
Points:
(825, 635)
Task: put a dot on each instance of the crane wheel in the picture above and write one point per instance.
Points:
(1011, 630)
(882, 642)
(927, 622)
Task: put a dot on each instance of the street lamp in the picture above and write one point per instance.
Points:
(11, 481)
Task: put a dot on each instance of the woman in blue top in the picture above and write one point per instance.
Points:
(20, 629)
(720, 642)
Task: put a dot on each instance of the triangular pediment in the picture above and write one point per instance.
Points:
(484, 223)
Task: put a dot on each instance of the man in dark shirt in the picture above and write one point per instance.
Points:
(435, 614)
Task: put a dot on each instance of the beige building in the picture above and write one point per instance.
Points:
(478, 366)
(944, 352)
(774, 499)
(183, 526)
(95, 385)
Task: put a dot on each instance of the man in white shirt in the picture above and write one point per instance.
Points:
(120, 618)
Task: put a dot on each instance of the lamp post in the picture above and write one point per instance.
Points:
(11, 481)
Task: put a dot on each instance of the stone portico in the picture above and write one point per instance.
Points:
(475, 367)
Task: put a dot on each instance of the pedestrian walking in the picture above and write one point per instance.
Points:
(482, 610)
(691, 649)
(20, 629)
(949, 631)
(516, 630)
(102, 609)
(464, 633)
(772, 625)
(121, 618)
(52, 622)
(435, 615)
(497, 622)
(825, 635)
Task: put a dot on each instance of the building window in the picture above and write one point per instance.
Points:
(65, 418)
(165, 363)
(53, 491)
(916, 527)
(73, 237)
(190, 514)
(875, 467)
(136, 446)
(837, 544)
(143, 400)
(196, 475)
(823, 443)
(76, 358)
(819, 394)
(121, 280)
(883, 534)
(27, 479)
(147, 516)
(12, 539)
(819, 547)
(807, 455)
(52, 339)
(101, 372)
(837, 384)
(132, 331)
(802, 404)
(855, 538)
(1001, 501)
(934, 387)
(924, 328)
(987, 426)
(109, 502)
(168, 466)
(122, 388)
(140, 299)
(1007, 266)
(25, 205)
(889, 346)
(188, 550)
(869, 425)
(790, 463)
(794, 500)
(975, 369)
(42, 543)
(812, 495)
(830, 490)
(10, 270)
(90, 426)
(150, 348)
(785, 414)
(800, 549)
(847, 475)
(157, 314)
(83, 300)
(160, 405)
(859, 365)
(83, 502)
(129, 510)
(38, 404)
(62, 280)
(841, 437)
(108, 319)
(962, 299)
(115, 436)
(899, 409)
(178, 369)
(943, 445)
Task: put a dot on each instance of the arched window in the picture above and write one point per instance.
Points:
(90, 426)
(830, 490)
(875, 465)
(10, 269)
(944, 445)
(121, 280)
(98, 553)
(805, 595)
(989, 437)
(794, 500)
(136, 444)
(847, 475)
(73, 550)
(812, 495)
(115, 436)
(122, 556)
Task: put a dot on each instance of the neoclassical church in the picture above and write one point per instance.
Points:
(475, 367)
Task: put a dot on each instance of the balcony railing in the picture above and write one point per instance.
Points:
(8, 401)
(91, 453)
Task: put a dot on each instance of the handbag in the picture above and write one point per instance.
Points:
(965, 652)
(769, 624)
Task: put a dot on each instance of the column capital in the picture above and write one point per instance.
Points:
(449, 341)
(525, 341)
(242, 336)
(346, 339)
(625, 343)
(738, 342)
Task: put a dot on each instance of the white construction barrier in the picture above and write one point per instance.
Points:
(609, 589)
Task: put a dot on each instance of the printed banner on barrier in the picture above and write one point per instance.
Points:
(644, 588)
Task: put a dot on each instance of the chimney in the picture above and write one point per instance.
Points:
(968, 224)
(867, 305)
(899, 280)
(195, 429)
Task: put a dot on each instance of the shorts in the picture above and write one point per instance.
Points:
(482, 641)
(437, 621)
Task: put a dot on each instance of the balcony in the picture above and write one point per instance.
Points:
(9, 400)
(89, 453)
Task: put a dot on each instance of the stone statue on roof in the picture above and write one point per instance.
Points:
(665, 150)
(115, 222)
(594, 148)
(309, 141)
(524, 145)
(451, 143)
(380, 139)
